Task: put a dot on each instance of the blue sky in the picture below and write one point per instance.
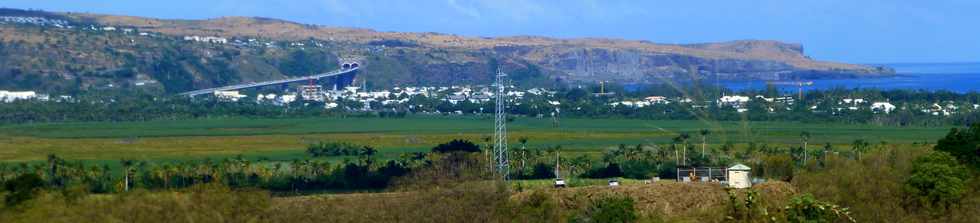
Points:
(857, 31)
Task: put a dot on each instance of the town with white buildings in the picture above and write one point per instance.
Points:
(401, 97)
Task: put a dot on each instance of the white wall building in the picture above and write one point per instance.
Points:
(739, 177)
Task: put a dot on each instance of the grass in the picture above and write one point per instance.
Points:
(284, 139)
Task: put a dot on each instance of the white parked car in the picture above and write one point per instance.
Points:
(559, 183)
(613, 182)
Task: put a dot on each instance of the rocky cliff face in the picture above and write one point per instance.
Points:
(391, 58)
(768, 60)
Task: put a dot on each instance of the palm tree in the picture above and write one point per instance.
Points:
(860, 146)
(523, 141)
(486, 152)
(3, 172)
(127, 165)
(577, 164)
(276, 168)
(704, 140)
(684, 137)
(636, 152)
(105, 177)
(674, 142)
(53, 168)
(366, 153)
(172, 171)
(804, 136)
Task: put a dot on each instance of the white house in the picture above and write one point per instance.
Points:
(209, 39)
(739, 177)
(229, 95)
(853, 101)
(882, 107)
(10, 96)
(287, 98)
(657, 100)
(733, 100)
(455, 98)
(632, 104)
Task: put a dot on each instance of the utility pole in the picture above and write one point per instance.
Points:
(557, 163)
(500, 128)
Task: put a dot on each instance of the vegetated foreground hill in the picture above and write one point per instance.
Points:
(88, 56)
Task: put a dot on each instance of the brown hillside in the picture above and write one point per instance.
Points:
(271, 28)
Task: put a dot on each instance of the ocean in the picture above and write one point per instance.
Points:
(956, 77)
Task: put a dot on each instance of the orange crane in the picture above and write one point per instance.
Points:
(799, 84)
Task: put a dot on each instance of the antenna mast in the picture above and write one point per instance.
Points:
(500, 129)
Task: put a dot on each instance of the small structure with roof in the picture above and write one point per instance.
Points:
(739, 177)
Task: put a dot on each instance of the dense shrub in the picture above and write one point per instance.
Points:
(457, 145)
(937, 181)
(542, 171)
(613, 208)
(202, 203)
(639, 169)
(963, 144)
(326, 149)
(538, 207)
(805, 208)
(22, 188)
(874, 187)
(609, 171)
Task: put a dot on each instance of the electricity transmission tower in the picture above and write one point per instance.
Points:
(500, 129)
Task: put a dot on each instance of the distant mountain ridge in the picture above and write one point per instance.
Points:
(391, 58)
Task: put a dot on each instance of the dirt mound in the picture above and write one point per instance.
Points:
(776, 188)
(667, 199)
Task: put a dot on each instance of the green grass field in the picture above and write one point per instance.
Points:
(283, 139)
